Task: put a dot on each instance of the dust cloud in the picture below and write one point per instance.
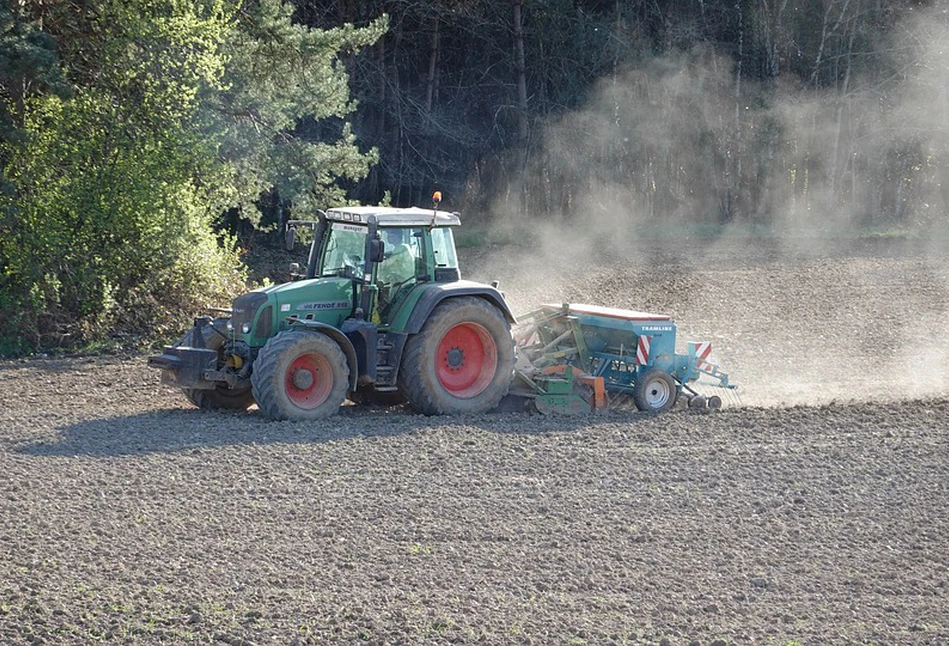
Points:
(819, 275)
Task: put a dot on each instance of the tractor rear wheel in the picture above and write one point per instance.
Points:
(462, 360)
(300, 375)
(655, 391)
(222, 397)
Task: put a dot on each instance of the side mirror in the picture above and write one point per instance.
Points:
(295, 270)
(377, 250)
(290, 238)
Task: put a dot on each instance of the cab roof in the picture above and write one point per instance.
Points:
(388, 216)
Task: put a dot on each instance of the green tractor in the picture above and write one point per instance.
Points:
(380, 313)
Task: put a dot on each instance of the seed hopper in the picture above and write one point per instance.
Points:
(577, 358)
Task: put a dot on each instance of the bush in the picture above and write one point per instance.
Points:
(110, 233)
(108, 194)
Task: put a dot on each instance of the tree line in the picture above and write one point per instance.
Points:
(754, 112)
(138, 137)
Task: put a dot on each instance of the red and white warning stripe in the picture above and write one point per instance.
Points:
(702, 350)
(642, 350)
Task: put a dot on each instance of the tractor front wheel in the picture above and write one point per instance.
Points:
(655, 391)
(462, 360)
(300, 375)
(222, 397)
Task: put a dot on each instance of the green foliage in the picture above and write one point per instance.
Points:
(283, 82)
(180, 111)
(108, 228)
(28, 63)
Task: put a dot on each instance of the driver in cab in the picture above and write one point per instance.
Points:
(398, 265)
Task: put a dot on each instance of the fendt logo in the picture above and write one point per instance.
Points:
(324, 305)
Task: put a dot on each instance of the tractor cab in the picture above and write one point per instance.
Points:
(385, 252)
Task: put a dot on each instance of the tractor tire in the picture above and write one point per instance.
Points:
(461, 361)
(300, 376)
(222, 397)
(655, 391)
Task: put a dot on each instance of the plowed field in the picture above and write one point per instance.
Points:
(812, 513)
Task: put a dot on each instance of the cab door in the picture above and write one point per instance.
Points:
(404, 266)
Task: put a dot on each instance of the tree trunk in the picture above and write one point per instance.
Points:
(395, 132)
(842, 100)
(432, 66)
(733, 184)
(522, 124)
(826, 31)
(521, 67)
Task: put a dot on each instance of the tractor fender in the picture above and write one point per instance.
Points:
(436, 293)
(334, 333)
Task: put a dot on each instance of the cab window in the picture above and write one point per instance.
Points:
(443, 246)
(403, 249)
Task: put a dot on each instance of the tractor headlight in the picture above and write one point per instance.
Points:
(245, 328)
(230, 326)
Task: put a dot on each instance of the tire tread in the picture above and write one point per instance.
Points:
(639, 390)
(266, 376)
(420, 386)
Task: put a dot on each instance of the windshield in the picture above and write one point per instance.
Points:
(345, 247)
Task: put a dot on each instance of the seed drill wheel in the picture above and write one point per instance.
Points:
(300, 375)
(221, 397)
(655, 391)
(461, 361)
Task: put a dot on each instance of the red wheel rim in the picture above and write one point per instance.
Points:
(309, 380)
(466, 359)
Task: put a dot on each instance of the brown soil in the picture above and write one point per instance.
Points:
(127, 516)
